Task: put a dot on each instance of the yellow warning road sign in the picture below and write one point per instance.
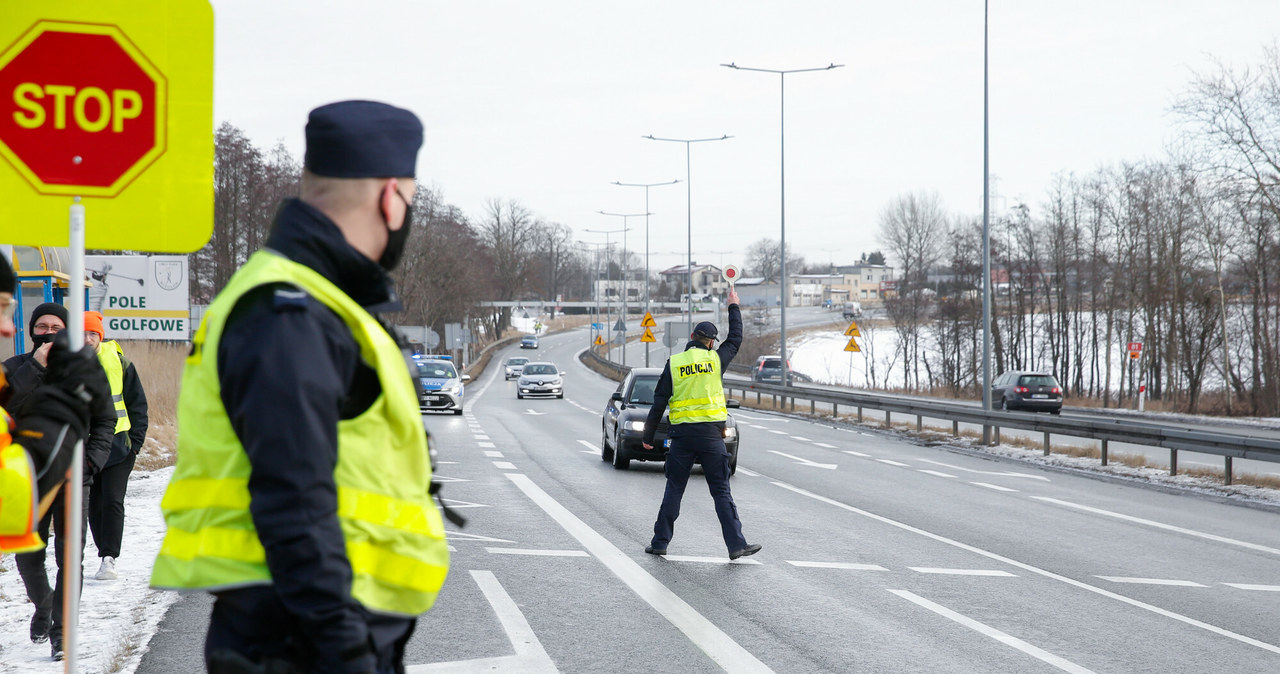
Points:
(648, 322)
(852, 345)
(852, 330)
(648, 335)
(599, 340)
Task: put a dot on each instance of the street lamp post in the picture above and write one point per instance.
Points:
(608, 324)
(782, 162)
(646, 187)
(623, 266)
(688, 183)
(595, 286)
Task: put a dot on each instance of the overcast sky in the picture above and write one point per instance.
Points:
(546, 102)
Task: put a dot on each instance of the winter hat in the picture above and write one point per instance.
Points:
(44, 310)
(93, 323)
(8, 280)
(706, 329)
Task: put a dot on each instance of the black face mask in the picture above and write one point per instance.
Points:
(40, 340)
(397, 238)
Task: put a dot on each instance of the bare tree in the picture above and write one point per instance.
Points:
(510, 233)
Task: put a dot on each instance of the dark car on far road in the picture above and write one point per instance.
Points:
(528, 342)
(622, 428)
(1034, 391)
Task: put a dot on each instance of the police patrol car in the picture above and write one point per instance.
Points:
(441, 386)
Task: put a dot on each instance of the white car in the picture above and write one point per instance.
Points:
(540, 379)
(514, 366)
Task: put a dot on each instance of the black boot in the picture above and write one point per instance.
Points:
(55, 647)
(40, 625)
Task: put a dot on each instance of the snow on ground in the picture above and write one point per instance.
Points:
(117, 617)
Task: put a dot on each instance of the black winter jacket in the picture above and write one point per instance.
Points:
(24, 374)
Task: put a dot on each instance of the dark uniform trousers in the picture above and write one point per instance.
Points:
(106, 505)
(699, 442)
(31, 567)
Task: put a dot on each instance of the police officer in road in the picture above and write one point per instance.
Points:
(690, 385)
(301, 492)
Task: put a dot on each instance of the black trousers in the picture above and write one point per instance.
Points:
(106, 506)
(31, 564)
(709, 450)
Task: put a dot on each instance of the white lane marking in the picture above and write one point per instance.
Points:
(935, 472)
(718, 646)
(445, 478)
(796, 437)
(984, 472)
(709, 560)
(1261, 588)
(825, 445)
(589, 446)
(838, 565)
(993, 486)
(504, 465)
(485, 444)
(778, 432)
(805, 462)
(850, 452)
(755, 426)
(1151, 581)
(481, 437)
(458, 537)
(1036, 570)
(493, 454)
(454, 503)
(537, 553)
(986, 630)
(529, 410)
(743, 416)
(748, 473)
(963, 572)
(530, 655)
(894, 463)
(1159, 525)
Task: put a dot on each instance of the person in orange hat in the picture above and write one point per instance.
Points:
(106, 496)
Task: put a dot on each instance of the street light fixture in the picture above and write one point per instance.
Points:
(646, 187)
(595, 286)
(688, 182)
(782, 162)
(609, 305)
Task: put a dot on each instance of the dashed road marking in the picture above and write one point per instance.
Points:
(481, 437)
(1247, 586)
(537, 553)
(935, 472)
(805, 462)
(838, 565)
(825, 445)
(778, 432)
(590, 446)
(747, 472)
(493, 454)
(984, 472)
(485, 444)
(986, 630)
(709, 560)
(962, 572)
(1151, 581)
(504, 465)
(796, 437)
(993, 486)
(891, 462)
(850, 452)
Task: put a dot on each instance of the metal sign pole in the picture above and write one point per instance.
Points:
(71, 547)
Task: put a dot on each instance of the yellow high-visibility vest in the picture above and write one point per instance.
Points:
(394, 535)
(19, 510)
(109, 354)
(697, 395)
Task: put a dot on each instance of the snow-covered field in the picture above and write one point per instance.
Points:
(117, 617)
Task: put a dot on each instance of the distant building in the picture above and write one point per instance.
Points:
(758, 292)
(868, 282)
(707, 279)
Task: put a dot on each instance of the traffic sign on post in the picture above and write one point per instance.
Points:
(113, 103)
(852, 330)
(1135, 350)
(648, 321)
(852, 345)
(648, 335)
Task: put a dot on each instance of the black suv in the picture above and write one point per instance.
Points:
(1035, 391)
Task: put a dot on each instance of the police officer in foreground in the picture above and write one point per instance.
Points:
(301, 492)
(690, 385)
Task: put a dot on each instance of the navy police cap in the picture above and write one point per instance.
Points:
(362, 139)
(706, 329)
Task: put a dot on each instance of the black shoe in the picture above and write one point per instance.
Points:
(745, 552)
(40, 626)
(655, 551)
(55, 649)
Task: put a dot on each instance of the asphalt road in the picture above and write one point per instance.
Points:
(879, 556)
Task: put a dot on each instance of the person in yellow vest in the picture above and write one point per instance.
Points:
(129, 400)
(301, 495)
(690, 385)
(55, 411)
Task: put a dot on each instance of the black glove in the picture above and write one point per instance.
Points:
(77, 372)
(52, 422)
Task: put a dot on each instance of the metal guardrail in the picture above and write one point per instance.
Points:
(1172, 436)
